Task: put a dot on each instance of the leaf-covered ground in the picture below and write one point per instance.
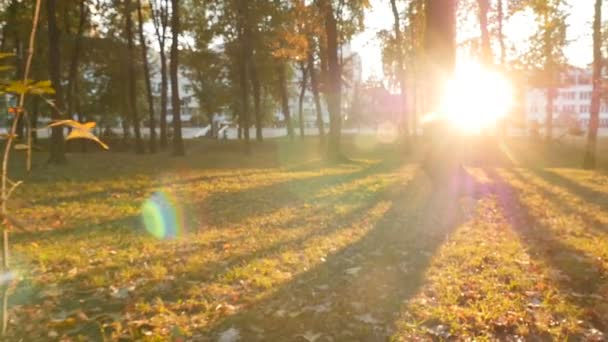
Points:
(279, 245)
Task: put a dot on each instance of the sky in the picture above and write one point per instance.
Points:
(578, 52)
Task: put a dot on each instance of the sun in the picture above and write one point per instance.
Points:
(476, 98)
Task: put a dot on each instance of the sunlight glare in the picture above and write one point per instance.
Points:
(476, 98)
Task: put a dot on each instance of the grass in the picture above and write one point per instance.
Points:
(279, 245)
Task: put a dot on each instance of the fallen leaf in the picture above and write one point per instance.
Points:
(230, 335)
(367, 318)
(310, 336)
(353, 271)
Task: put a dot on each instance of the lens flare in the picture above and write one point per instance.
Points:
(162, 217)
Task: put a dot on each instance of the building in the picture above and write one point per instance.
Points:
(352, 76)
(572, 103)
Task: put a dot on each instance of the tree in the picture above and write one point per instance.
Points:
(144, 57)
(132, 95)
(486, 48)
(303, 86)
(314, 86)
(590, 159)
(160, 16)
(546, 47)
(400, 64)
(72, 86)
(57, 150)
(178, 143)
(440, 46)
(334, 80)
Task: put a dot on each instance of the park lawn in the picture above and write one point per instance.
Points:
(279, 245)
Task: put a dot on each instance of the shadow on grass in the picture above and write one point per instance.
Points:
(359, 291)
(561, 203)
(581, 274)
(596, 197)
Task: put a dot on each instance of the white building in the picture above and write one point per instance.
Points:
(352, 74)
(573, 100)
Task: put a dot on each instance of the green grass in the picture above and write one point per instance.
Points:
(279, 245)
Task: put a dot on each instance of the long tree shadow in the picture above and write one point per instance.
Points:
(234, 207)
(581, 276)
(358, 292)
(562, 202)
(27, 295)
(590, 195)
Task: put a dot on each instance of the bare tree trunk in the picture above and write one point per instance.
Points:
(334, 89)
(164, 99)
(144, 57)
(255, 83)
(486, 49)
(72, 73)
(401, 67)
(303, 86)
(57, 150)
(501, 37)
(314, 85)
(161, 22)
(73, 70)
(178, 142)
(132, 96)
(590, 153)
(243, 71)
(282, 72)
(549, 113)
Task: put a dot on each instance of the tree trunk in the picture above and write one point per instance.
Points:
(303, 86)
(334, 88)
(178, 142)
(57, 150)
(594, 118)
(501, 37)
(255, 85)
(439, 46)
(243, 71)
(132, 96)
(144, 57)
(400, 67)
(549, 113)
(34, 119)
(160, 20)
(282, 72)
(486, 49)
(72, 73)
(314, 85)
(164, 99)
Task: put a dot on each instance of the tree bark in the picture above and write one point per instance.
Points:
(282, 73)
(551, 91)
(439, 46)
(501, 37)
(400, 68)
(57, 148)
(334, 88)
(303, 86)
(486, 49)
(144, 57)
(160, 20)
(255, 85)
(594, 118)
(243, 72)
(72, 73)
(314, 85)
(178, 142)
(132, 96)
(73, 70)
